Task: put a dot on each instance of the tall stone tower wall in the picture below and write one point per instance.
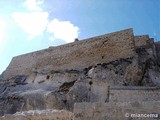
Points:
(94, 50)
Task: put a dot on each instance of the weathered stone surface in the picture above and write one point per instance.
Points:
(134, 94)
(140, 41)
(40, 115)
(94, 50)
(116, 111)
(134, 73)
(93, 73)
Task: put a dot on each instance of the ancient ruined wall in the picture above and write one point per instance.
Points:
(116, 110)
(141, 40)
(94, 50)
(99, 78)
(134, 94)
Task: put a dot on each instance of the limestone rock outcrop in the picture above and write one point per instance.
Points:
(84, 80)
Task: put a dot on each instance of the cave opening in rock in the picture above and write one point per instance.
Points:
(47, 77)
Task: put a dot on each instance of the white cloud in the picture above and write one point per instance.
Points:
(33, 5)
(63, 30)
(33, 23)
(36, 22)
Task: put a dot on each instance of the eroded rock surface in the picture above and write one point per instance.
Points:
(40, 115)
(116, 67)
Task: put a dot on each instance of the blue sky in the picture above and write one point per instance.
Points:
(31, 25)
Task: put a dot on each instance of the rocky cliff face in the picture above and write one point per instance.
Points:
(89, 78)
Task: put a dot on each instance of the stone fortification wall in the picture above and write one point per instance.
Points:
(140, 41)
(116, 110)
(94, 50)
(100, 78)
(134, 94)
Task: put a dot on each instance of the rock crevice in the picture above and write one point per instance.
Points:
(91, 75)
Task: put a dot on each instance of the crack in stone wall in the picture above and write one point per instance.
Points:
(101, 70)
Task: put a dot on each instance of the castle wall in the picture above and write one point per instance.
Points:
(141, 40)
(134, 94)
(98, 78)
(76, 55)
(116, 110)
